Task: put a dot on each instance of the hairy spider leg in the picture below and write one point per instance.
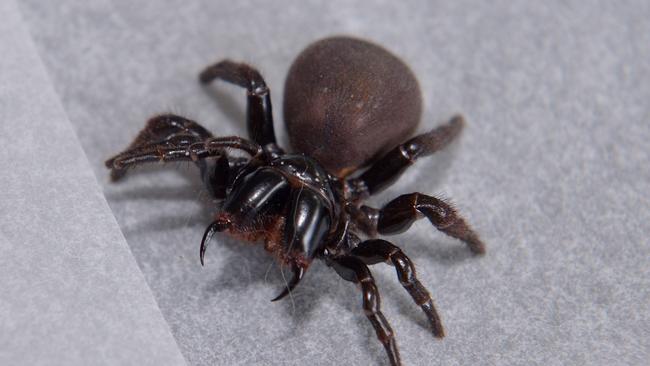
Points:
(399, 214)
(161, 129)
(173, 150)
(214, 146)
(169, 137)
(259, 116)
(377, 251)
(166, 151)
(390, 167)
(354, 270)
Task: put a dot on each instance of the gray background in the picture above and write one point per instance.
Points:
(70, 291)
(552, 171)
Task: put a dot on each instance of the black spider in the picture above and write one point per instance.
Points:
(348, 104)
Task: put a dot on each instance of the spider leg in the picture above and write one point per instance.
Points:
(160, 152)
(354, 270)
(399, 214)
(217, 173)
(259, 116)
(214, 147)
(391, 166)
(377, 250)
(180, 149)
(163, 128)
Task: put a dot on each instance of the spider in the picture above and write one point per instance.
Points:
(350, 107)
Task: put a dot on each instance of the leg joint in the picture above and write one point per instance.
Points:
(405, 269)
(441, 214)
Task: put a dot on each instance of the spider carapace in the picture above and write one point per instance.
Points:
(350, 107)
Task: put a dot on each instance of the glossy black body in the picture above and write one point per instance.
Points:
(264, 191)
(349, 103)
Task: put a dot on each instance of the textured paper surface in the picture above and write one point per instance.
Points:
(551, 170)
(70, 291)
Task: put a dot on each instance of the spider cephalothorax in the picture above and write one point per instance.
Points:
(348, 106)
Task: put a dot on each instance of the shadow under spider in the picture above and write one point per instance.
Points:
(260, 267)
(193, 190)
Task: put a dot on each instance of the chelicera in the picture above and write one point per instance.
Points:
(350, 107)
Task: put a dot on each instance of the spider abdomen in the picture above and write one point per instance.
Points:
(346, 101)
